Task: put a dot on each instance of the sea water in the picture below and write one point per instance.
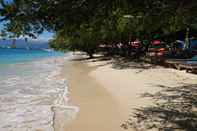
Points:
(30, 88)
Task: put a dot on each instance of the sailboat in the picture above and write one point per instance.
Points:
(13, 44)
(28, 44)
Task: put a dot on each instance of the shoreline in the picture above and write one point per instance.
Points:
(98, 111)
(29, 93)
(107, 96)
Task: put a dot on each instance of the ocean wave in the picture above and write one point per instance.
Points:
(33, 96)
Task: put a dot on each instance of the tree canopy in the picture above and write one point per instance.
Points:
(85, 24)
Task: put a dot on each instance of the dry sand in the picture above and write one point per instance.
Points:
(106, 95)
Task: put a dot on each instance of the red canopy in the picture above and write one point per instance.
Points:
(156, 42)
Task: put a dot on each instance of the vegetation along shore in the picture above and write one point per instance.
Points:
(128, 80)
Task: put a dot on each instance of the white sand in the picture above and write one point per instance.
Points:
(106, 96)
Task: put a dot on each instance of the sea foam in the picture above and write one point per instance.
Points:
(33, 97)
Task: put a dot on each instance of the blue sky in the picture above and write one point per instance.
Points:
(45, 36)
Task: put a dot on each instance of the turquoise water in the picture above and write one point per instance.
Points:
(8, 56)
(30, 88)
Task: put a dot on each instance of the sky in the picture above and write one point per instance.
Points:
(45, 36)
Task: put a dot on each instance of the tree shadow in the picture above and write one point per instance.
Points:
(93, 59)
(118, 62)
(122, 63)
(80, 59)
(125, 63)
(175, 109)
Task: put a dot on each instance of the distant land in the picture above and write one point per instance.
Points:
(21, 43)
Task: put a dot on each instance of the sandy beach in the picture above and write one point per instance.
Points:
(107, 93)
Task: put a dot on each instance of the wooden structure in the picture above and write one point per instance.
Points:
(190, 67)
(187, 64)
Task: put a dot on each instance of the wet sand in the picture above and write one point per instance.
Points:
(98, 110)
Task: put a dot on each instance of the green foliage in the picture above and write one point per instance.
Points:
(85, 24)
(84, 39)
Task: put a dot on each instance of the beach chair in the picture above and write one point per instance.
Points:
(174, 63)
(190, 66)
(182, 63)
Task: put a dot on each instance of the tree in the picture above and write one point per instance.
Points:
(87, 23)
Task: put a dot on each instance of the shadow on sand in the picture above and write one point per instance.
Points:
(125, 63)
(119, 63)
(175, 109)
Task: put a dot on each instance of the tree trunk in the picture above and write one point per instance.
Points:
(186, 45)
(90, 54)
